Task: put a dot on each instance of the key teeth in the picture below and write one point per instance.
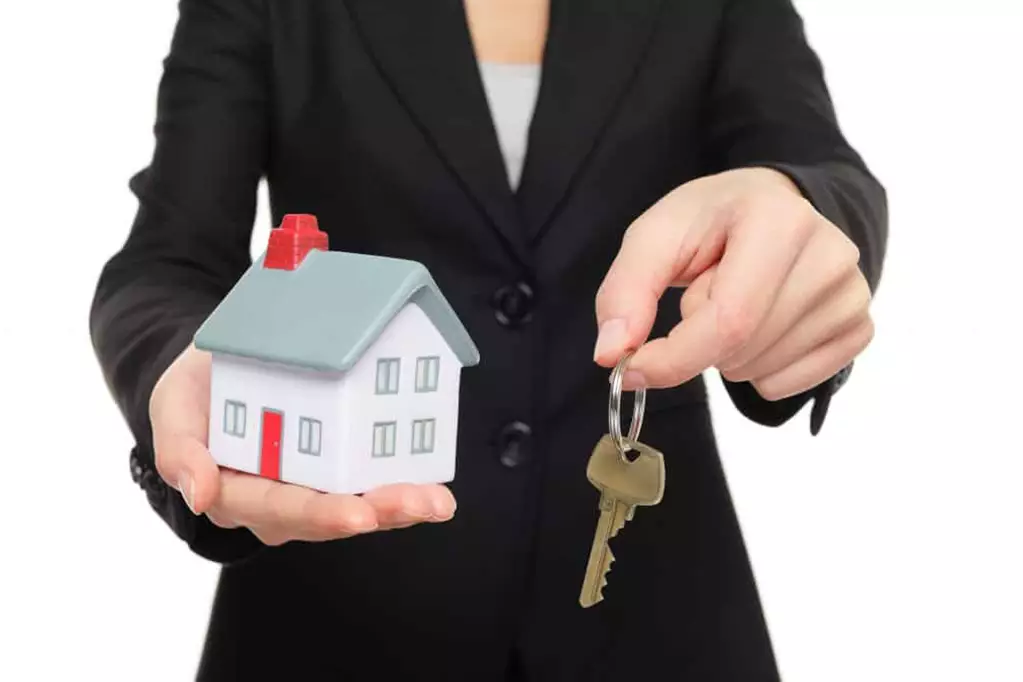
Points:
(607, 569)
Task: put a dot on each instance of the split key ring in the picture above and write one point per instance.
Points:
(614, 409)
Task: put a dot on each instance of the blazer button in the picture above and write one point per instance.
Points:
(513, 304)
(156, 489)
(137, 470)
(514, 444)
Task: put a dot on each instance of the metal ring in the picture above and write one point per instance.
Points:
(614, 408)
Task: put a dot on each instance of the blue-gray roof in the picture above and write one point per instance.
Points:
(327, 312)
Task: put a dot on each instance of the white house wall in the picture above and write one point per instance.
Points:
(409, 336)
(295, 393)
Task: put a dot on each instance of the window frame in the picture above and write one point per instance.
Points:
(420, 428)
(423, 376)
(391, 375)
(234, 408)
(309, 426)
(384, 453)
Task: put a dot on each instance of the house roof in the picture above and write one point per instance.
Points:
(325, 314)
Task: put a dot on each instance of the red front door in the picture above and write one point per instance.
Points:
(270, 453)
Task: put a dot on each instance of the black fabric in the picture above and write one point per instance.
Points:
(370, 114)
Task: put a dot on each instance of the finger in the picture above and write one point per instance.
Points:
(688, 349)
(220, 518)
(257, 502)
(179, 402)
(195, 381)
(649, 260)
(756, 262)
(400, 526)
(697, 293)
(273, 536)
(178, 411)
(828, 263)
(186, 465)
(338, 516)
(764, 245)
(406, 503)
(832, 318)
(708, 238)
(396, 506)
(400, 506)
(242, 499)
(817, 366)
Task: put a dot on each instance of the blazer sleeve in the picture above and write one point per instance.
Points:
(769, 106)
(190, 239)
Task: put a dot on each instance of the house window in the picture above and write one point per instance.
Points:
(388, 370)
(234, 418)
(427, 371)
(309, 431)
(422, 435)
(383, 439)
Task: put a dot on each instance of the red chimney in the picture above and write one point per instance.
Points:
(292, 241)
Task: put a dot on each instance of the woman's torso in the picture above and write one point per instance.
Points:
(378, 122)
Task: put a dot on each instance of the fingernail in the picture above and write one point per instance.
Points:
(186, 486)
(613, 336)
(633, 380)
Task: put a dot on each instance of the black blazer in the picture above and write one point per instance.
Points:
(371, 115)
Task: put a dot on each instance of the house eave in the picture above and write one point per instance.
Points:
(281, 361)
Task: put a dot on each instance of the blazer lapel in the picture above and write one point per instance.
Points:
(425, 50)
(593, 51)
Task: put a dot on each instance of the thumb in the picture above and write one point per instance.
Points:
(186, 465)
(626, 309)
(647, 263)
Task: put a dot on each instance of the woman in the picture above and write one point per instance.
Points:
(537, 159)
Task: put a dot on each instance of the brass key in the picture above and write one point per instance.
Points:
(623, 485)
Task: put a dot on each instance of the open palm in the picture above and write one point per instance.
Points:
(275, 512)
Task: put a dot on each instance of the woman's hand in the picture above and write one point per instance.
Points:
(775, 295)
(275, 512)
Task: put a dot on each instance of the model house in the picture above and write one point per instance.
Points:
(335, 371)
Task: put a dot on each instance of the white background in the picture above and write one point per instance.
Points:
(887, 549)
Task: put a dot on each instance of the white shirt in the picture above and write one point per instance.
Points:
(511, 93)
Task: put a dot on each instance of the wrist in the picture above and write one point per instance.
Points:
(779, 180)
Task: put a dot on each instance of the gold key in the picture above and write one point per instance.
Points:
(624, 483)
